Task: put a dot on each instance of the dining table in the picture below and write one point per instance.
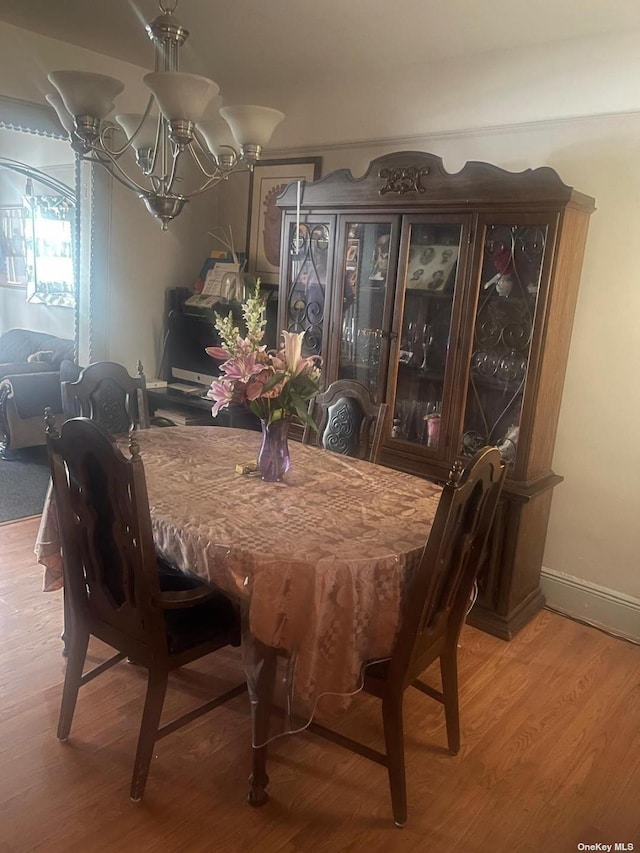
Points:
(319, 562)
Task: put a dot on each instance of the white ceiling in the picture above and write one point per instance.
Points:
(265, 41)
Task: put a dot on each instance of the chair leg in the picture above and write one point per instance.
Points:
(67, 629)
(394, 742)
(449, 672)
(76, 655)
(156, 689)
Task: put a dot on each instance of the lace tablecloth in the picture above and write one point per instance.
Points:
(319, 560)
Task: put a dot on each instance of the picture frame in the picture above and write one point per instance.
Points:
(431, 267)
(268, 180)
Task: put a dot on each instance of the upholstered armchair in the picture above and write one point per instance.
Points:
(30, 364)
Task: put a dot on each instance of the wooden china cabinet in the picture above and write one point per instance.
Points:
(451, 296)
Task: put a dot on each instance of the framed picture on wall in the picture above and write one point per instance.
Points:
(268, 180)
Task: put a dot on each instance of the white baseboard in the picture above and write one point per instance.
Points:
(607, 608)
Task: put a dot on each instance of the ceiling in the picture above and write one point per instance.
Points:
(240, 42)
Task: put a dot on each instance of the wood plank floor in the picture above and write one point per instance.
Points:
(550, 755)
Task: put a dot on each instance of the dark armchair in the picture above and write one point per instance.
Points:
(30, 364)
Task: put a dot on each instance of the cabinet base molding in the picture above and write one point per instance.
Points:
(605, 608)
(506, 627)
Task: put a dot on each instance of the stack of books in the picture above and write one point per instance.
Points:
(183, 418)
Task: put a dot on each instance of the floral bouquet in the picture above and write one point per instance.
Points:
(274, 384)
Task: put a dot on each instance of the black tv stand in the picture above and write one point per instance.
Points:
(195, 410)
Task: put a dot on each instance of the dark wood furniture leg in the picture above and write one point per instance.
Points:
(260, 715)
(156, 690)
(67, 624)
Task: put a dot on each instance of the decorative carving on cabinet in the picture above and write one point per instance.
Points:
(401, 181)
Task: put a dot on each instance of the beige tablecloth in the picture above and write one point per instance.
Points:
(319, 560)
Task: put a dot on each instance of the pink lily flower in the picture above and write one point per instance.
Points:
(223, 393)
(242, 367)
(218, 353)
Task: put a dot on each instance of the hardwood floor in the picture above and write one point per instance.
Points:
(550, 751)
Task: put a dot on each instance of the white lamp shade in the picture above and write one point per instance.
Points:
(216, 134)
(86, 94)
(146, 137)
(65, 117)
(181, 96)
(252, 125)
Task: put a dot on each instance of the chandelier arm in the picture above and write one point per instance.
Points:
(202, 146)
(129, 144)
(219, 171)
(126, 181)
(116, 171)
(168, 183)
(211, 181)
(148, 172)
(197, 140)
(216, 179)
(101, 143)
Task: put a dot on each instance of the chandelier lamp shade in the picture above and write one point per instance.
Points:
(172, 127)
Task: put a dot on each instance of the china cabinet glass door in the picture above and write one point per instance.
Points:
(430, 261)
(308, 261)
(364, 317)
(510, 283)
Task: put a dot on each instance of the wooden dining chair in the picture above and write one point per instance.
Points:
(117, 588)
(349, 420)
(436, 605)
(108, 395)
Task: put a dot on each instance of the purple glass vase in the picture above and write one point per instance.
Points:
(273, 457)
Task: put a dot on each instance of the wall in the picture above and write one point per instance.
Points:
(571, 107)
(144, 263)
(136, 263)
(561, 80)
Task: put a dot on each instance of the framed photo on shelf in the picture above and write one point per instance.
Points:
(431, 267)
(269, 179)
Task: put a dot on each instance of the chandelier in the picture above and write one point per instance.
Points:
(170, 130)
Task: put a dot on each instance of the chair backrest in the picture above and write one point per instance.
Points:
(109, 558)
(349, 420)
(437, 596)
(107, 394)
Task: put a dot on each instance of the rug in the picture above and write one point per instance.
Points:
(23, 483)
